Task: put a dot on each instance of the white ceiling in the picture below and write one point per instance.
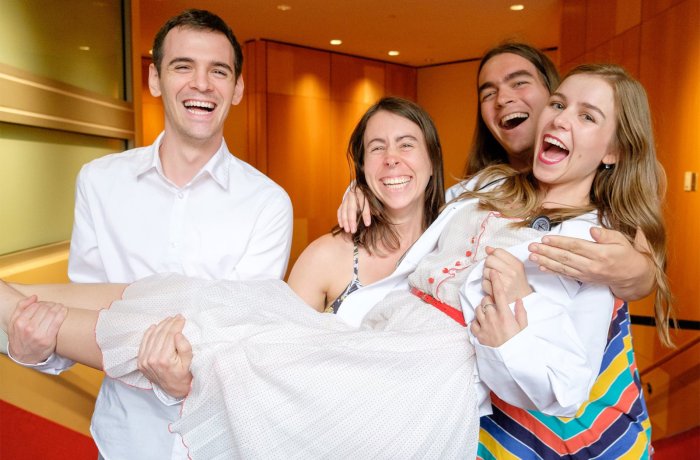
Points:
(424, 32)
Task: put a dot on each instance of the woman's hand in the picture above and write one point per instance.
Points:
(611, 260)
(494, 323)
(511, 271)
(354, 202)
(165, 357)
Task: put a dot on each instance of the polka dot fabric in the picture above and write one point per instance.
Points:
(275, 379)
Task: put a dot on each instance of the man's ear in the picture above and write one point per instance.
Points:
(238, 91)
(153, 81)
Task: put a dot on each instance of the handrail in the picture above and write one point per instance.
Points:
(643, 320)
(670, 356)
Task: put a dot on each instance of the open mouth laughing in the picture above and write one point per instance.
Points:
(513, 120)
(553, 150)
(395, 183)
(199, 107)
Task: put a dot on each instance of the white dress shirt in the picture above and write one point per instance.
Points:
(229, 222)
(552, 364)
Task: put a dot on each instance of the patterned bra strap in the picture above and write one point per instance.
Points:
(452, 312)
(356, 262)
(353, 286)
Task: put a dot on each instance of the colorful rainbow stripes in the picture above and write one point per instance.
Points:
(612, 424)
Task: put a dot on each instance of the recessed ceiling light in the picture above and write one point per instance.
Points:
(336, 42)
(84, 48)
(517, 7)
(393, 53)
(284, 7)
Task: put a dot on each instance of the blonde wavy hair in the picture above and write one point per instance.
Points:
(628, 197)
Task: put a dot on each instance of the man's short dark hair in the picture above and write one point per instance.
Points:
(198, 20)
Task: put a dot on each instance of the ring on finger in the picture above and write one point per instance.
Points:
(483, 307)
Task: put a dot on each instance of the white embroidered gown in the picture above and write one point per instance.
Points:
(275, 379)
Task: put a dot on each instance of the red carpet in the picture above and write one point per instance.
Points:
(25, 436)
(682, 446)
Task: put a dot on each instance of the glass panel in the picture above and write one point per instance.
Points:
(37, 182)
(79, 42)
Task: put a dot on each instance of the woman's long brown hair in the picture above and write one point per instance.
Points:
(628, 197)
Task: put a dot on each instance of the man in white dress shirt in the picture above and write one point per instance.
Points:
(184, 205)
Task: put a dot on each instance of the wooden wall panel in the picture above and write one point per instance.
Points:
(628, 14)
(673, 394)
(650, 8)
(622, 49)
(659, 42)
(236, 132)
(670, 70)
(356, 84)
(298, 144)
(356, 80)
(401, 81)
(255, 77)
(573, 30)
(344, 118)
(600, 22)
(302, 105)
(298, 135)
(449, 95)
(296, 71)
(625, 50)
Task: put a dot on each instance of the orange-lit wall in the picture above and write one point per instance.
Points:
(659, 42)
(448, 94)
(302, 107)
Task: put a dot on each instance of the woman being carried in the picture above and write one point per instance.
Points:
(514, 83)
(275, 378)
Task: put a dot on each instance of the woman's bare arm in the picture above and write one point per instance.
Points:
(39, 328)
(86, 296)
(313, 272)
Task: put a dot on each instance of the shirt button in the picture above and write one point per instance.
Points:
(173, 245)
(180, 195)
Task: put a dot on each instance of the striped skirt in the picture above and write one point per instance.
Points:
(612, 424)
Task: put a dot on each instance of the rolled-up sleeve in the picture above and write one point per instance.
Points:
(551, 365)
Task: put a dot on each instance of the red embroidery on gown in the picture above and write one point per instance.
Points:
(470, 253)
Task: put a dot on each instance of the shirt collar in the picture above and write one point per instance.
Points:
(152, 160)
(216, 167)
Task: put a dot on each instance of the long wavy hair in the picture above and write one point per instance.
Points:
(485, 149)
(382, 234)
(628, 197)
